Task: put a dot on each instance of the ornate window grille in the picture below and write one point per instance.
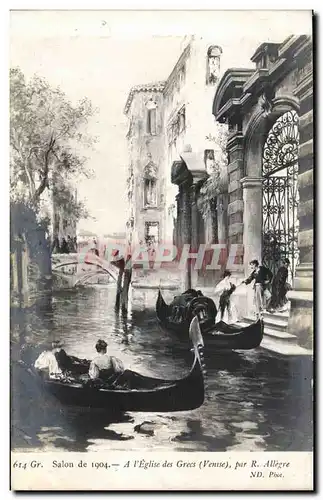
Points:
(280, 193)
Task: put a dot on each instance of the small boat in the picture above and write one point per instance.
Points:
(132, 391)
(219, 335)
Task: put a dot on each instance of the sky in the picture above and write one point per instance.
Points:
(102, 54)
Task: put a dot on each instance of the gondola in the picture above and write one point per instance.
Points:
(219, 335)
(178, 315)
(132, 391)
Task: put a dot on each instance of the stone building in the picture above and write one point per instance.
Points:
(188, 93)
(145, 136)
(168, 121)
(30, 263)
(269, 111)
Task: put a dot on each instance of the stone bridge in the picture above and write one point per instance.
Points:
(77, 269)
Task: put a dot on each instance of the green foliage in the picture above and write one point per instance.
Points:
(217, 182)
(46, 133)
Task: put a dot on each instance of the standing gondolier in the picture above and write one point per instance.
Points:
(261, 276)
(225, 288)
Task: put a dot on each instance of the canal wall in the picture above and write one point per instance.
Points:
(30, 262)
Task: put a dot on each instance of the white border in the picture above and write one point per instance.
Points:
(97, 5)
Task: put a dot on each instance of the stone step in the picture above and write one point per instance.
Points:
(272, 321)
(284, 315)
(276, 324)
(281, 343)
(285, 336)
(155, 286)
(283, 348)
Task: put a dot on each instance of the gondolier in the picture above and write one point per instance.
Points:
(227, 311)
(261, 276)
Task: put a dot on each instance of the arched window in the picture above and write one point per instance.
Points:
(151, 117)
(150, 185)
(213, 64)
(209, 160)
(182, 120)
(150, 192)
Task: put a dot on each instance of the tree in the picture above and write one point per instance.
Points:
(66, 200)
(217, 182)
(46, 132)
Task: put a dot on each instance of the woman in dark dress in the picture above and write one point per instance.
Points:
(280, 287)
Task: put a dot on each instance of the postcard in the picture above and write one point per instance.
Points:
(161, 250)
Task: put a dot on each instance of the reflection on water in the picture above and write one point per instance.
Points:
(255, 401)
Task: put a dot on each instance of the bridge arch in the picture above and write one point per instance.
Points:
(84, 278)
(103, 265)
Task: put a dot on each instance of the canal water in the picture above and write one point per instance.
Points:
(255, 401)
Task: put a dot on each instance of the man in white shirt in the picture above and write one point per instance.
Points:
(104, 363)
(46, 362)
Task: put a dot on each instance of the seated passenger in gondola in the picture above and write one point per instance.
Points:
(47, 364)
(56, 363)
(104, 366)
(65, 362)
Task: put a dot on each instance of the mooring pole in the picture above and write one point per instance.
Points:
(125, 289)
(119, 286)
(187, 230)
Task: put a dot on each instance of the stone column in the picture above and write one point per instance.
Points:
(252, 219)
(221, 214)
(213, 221)
(178, 242)
(301, 297)
(235, 173)
(252, 232)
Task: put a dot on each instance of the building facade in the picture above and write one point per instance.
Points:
(190, 128)
(145, 137)
(269, 111)
(167, 120)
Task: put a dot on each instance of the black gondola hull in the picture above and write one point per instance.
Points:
(247, 338)
(216, 335)
(130, 391)
(186, 394)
